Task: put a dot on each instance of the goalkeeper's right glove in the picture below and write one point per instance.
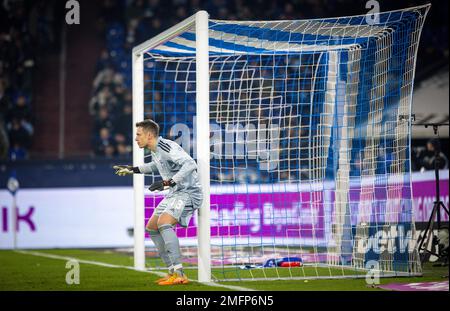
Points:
(123, 170)
(160, 185)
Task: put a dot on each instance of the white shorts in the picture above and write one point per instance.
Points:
(179, 206)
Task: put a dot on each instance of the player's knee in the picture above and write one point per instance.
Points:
(151, 226)
(166, 219)
(162, 227)
(163, 222)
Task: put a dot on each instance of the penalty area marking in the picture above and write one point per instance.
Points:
(103, 264)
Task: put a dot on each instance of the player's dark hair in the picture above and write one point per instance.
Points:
(149, 126)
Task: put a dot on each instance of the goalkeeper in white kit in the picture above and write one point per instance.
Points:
(179, 173)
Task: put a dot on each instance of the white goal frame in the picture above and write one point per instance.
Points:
(200, 20)
(199, 24)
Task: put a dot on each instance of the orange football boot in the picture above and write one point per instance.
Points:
(175, 279)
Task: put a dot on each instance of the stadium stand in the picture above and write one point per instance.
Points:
(122, 25)
(129, 23)
(26, 28)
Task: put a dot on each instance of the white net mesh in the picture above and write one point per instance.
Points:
(310, 141)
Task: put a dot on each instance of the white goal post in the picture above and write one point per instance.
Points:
(200, 20)
(302, 140)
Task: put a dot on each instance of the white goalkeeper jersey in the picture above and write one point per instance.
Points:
(172, 162)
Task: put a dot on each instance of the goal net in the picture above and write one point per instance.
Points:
(303, 127)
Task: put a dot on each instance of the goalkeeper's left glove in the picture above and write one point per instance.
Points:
(161, 184)
(123, 170)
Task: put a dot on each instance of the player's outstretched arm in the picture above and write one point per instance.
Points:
(123, 170)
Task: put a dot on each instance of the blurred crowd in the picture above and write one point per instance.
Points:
(25, 28)
(28, 26)
(128, 23)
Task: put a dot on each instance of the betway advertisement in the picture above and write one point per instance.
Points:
(103, 217)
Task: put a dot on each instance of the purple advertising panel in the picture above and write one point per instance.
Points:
(266, 213)
(286, 215)
(424, 194)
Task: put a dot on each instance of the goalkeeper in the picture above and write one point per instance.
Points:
(179, 173)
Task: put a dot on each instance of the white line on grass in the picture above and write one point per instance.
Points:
(103, 264)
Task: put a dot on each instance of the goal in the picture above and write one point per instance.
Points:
(301, 131)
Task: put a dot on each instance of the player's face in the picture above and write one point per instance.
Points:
(142, 137)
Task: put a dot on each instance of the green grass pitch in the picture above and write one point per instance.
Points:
(24, 271)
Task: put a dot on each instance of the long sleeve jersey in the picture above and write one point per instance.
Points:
(172, 162)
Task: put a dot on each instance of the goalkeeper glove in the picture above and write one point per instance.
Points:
(160, 184)
(123, 170)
